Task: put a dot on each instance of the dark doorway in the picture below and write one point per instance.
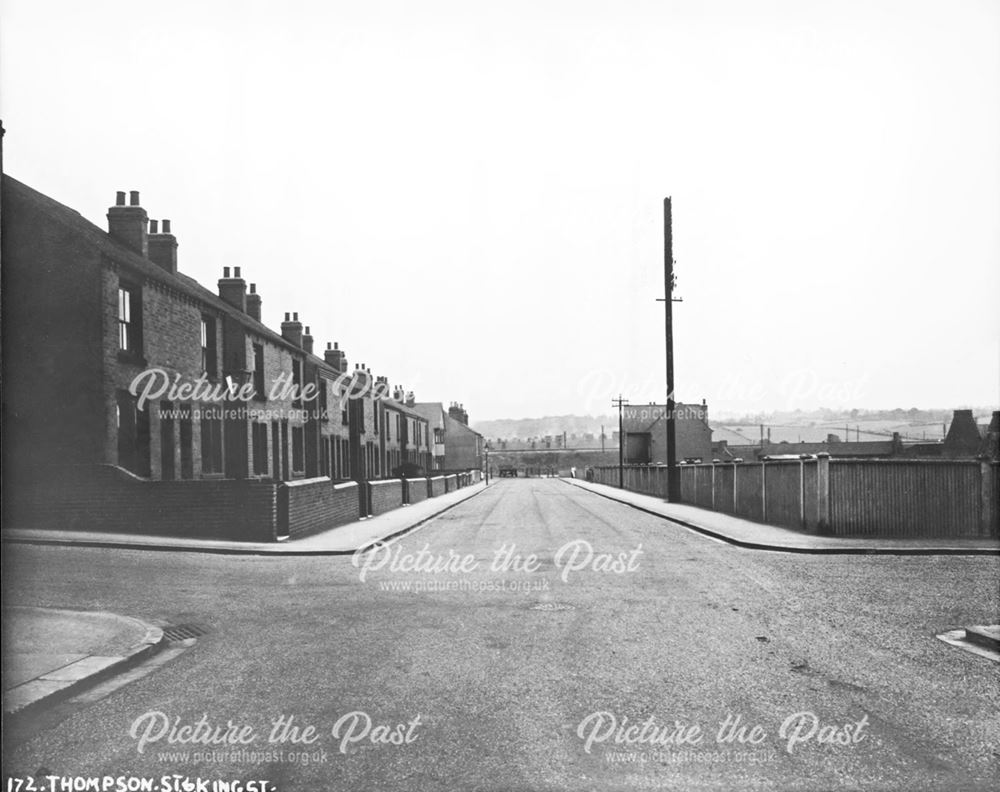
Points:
(187, 443)
(168, 470)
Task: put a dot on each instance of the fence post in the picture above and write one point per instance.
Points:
(763, 491)
(988, 506)
(802, 493)
(823, 494)
(736, 509)
(713, 486)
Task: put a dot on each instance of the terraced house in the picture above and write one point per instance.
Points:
(138, 399)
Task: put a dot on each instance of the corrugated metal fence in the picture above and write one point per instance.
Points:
(844, 497)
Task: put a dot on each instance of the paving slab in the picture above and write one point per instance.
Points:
(759, 536)
(51, 653)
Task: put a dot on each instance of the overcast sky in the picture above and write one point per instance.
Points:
(468, 196)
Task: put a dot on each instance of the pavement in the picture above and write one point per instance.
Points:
(758, 536)
(50, 653)
(342, 540)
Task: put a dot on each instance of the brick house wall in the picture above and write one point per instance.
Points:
(433, 413)
(392, 434)
(333, 432)
(463, 446)
(53, 400)
(693, 434)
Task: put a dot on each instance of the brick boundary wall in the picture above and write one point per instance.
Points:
(109, 499)
(436, 486)
(416, 490)
(311, 505)
(385, 495)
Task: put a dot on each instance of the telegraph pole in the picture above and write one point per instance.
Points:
(619, 403)
(669, 281)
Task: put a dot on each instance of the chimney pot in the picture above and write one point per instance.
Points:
(133, 198)
(154, 226)
(336, 345)
(329, 345)
(288, 316)
(120, 198)
(236, 272)
(166, 226)
(308, 332)
(225, 272)
(295, 316)
(253, 288)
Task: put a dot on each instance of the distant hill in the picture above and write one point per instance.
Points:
(795, 425)
(525, 428)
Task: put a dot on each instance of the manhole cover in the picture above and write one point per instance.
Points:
(552, 606)
(182, 632)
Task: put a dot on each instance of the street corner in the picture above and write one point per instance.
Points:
(52, 653)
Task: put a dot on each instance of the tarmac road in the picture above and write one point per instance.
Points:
(515, 679)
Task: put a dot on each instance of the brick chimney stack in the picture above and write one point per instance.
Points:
(335, 357)
(162, 246)
(291, 329)
(963, 439)
(233, 289)
(362, 379)
(129, 224)
(457, 411)
(254, 303)
(307, 341)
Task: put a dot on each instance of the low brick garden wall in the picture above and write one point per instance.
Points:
(385, 495)
(436, 485)
(310, 505)
(416, 490)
